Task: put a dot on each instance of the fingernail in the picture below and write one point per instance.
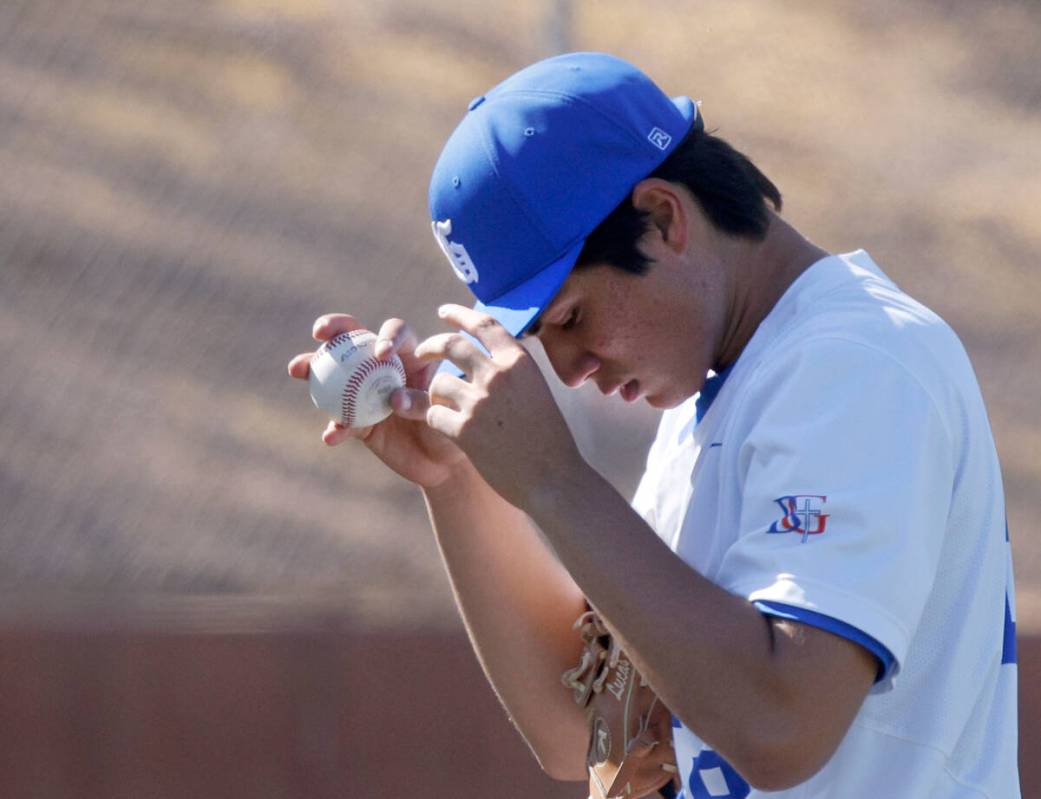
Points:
(406, 402)
(442, 311)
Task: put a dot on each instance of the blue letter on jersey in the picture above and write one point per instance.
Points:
(711, 777)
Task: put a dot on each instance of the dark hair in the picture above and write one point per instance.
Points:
(730, 189)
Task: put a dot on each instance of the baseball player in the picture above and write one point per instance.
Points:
(814, 576)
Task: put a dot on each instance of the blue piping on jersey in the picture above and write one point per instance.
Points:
(1008, 645)
(708, 392)
(832, 625)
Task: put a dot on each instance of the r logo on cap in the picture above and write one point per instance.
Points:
(456, 254)
(659, 138)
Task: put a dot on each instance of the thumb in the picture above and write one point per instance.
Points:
(410, 403)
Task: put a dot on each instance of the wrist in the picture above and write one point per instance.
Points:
(458, 482)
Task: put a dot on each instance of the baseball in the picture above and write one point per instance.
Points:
(350, 384)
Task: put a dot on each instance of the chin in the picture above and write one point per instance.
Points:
(664, 402)
(672, 395)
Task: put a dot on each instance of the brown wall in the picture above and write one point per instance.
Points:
(301, 708)
(114, 715)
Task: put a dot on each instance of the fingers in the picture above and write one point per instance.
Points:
(325, 327)
(332, 324)
(444, 420)
(395, 336)
(300, 365)
(410, 403)
(481, 326)
(455, 348)
(336, 433)
(396, 331)
(450, 391)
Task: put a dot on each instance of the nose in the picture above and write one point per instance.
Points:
(573, 366)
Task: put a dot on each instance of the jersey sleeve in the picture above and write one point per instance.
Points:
(845, 472)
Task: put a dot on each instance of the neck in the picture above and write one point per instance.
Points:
(760, 273)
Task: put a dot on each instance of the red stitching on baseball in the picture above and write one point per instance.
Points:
(361, 372)
(335, 341)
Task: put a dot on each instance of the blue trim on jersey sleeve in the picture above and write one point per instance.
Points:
(832, 625)
(1008, 645)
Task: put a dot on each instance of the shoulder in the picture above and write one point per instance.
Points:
(857, 328)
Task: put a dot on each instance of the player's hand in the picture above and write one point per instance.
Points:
(503, 415)
(403, 440)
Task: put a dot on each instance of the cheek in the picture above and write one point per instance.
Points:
(636, 331)
(621, 342)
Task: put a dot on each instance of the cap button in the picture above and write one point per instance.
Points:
(475, 102)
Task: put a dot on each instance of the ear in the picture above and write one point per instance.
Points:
(662, 201)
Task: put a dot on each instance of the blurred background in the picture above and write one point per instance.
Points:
(197, 597)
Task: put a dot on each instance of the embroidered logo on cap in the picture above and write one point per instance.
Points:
(803, 513)
(659, 138)
(456, 253)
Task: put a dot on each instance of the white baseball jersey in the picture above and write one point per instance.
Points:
(843, 474)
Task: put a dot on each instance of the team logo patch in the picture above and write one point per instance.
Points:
(659, 138)
(456, 253)
(801, 513)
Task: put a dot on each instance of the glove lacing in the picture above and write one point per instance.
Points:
(592, 627)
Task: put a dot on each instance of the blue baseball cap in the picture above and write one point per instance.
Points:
(536, 164)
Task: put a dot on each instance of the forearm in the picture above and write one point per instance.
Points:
(518, 604)
(706, 652)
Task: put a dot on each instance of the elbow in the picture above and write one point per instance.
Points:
(775, 775)
(566, 773)
(780, 762)
(565, 770)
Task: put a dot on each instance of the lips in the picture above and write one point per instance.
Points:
(628, 391)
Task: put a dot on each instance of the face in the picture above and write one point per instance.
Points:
(649, 336)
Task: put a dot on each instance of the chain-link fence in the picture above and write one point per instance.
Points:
(187, 185)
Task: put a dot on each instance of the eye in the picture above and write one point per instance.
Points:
(571, 320)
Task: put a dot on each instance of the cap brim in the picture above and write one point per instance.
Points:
(687, 107)
(517, 308)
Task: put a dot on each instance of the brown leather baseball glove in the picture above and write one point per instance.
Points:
(630, 730)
